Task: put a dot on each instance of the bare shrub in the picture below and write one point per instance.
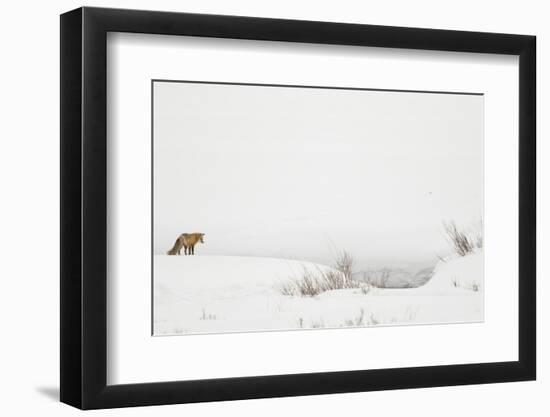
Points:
(463, 241)
(333, 280)
(314, 282)
(309, 284)
(344, 264)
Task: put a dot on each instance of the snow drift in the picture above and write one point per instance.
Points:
(462, 272)
(215, 294)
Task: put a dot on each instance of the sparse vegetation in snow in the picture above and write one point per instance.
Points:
(207, 316)
(470, 285)
(315, 281)
(464, 240)
(213, 294)
(363, 319)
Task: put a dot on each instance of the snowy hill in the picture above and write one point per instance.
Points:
(212, 294)
(463, 272)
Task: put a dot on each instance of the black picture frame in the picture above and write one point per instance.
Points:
(84, 207)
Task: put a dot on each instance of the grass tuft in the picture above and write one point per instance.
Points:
(314, 282)
(463, 241)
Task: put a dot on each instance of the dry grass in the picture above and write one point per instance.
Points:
(344, 264)
(316, 281)
(472, 285)
(463, 241)
(207, 316)
(357, 321)
(310, 285)
(362, 320)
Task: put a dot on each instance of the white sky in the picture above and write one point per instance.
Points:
(298, 172)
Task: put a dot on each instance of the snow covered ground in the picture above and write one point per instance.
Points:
(214, 294)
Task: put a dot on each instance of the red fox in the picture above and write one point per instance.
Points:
(188, 242)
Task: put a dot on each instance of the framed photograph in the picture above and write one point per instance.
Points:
(257, 207)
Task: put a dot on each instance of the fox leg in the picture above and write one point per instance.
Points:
(192, 249)
(185, 250)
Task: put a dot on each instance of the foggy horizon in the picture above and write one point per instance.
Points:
(300, 173)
